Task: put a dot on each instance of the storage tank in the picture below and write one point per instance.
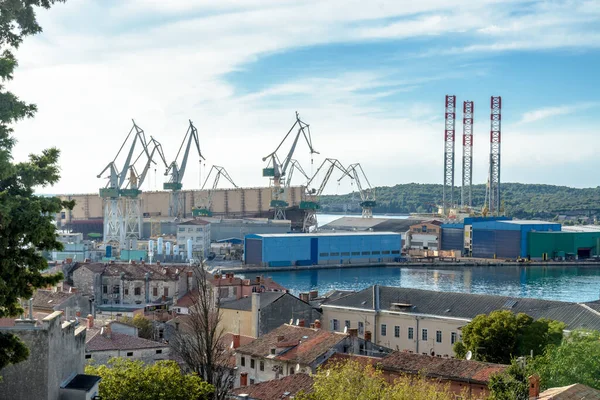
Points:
(168, 248)
(176, 250)
(159, 246)
(150, 247)
(189, 249)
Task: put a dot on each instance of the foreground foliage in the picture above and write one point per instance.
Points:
(503, 335)
(133, 380)
(26, 220)
(353, 381)
(576, 360)
(512, 384)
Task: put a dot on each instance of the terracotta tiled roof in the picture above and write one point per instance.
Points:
(441, 367)
(344, 357)
(96, 341)
(195, 222)
(188, 299)
(305, 344)
(9, 322)
(47, 299)
(278, 388)
(227, 342)
(164, 272)
(572, 392)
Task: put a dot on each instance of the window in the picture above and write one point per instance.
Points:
(190, 229)
(385, 252)
(395, 251)
(155, 291)
(198, 238)
(104, 289)
(396, 331)
(137, 291)
(159, 351)
(88, 356)
(130, 354)
(273, 351)
(376, 253)
(291, 371)
(262, 365)
(335, 254)
(251, 381)
(438, 336)
(223, 292)
(383, 329)
(115, 289)
(166, 292)
(252, 363)
(126, 292)
(347, 324)
(424, 334)
(235, 291)
(361, 327)
(335, 325)
(366, 253)
(424, 228)
(243, 361)
(453, 338)
(199, 229)
(356, 253)
(411, 333)
(323, 254)
(345, 254)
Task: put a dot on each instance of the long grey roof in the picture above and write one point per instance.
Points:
(245, 303)
(376, 224)
(468, 306)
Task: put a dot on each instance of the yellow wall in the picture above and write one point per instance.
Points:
(232, 320)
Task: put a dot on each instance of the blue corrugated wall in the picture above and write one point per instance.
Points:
(453, 239)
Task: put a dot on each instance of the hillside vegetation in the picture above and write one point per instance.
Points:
(520, 200)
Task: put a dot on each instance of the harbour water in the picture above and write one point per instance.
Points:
(565, 283)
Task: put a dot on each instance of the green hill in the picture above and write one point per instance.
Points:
(520, 200)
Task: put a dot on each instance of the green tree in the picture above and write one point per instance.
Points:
(512, 384)
(576, 360)
(144, 325)
(354, 381)
(133, 380)
(26, 220)
(502, 335)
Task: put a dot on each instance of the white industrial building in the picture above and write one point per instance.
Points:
(194, 233)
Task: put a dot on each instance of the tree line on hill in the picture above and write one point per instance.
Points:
(520, 200)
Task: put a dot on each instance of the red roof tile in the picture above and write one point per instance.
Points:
(95, 341)
(277, 388)
(572, 392)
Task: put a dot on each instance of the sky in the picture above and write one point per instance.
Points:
(369, 77)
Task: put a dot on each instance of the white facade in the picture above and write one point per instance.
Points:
(259, 369)
(148, 356)
(198, 234)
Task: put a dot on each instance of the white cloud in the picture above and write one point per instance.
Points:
(549, 112)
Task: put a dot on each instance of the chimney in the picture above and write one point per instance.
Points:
(30, 309)
(244, 379)
(301, 323)
(236, 341)
(158, 263)
(258, 279)
(78, 314)
(72, 289)
(312, 326)
(534, 386)
(143, 262)
(367, 336)
(304, 297)
(255, 314)
(280, 338)
(90, 321)
(230, 277)
(376, 297)
(353, 332)
(317, 324)
(106, 331)
(313, 294)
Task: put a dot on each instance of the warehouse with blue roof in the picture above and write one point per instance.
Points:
(298, 249)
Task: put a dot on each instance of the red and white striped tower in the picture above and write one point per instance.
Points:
(448, 191)
(466, 193)
(495, 136)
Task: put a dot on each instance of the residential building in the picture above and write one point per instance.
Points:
(260, 313)
(133, 283)
(198, 232)
(430, 322)
(424, 235)
(71, 302)
(102, 344)
(54, 368)
(282, 388)
(292, 349)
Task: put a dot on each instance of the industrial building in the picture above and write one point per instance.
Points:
(277, 250)
(564, 245)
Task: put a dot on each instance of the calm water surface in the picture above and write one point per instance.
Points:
(569, 283)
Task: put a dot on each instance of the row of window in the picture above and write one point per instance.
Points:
(129, 354)
(334, 325)
(136, 291)
(261, 365)
(359, 253)
(198, 229)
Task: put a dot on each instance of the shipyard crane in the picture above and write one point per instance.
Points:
(310, 204)
(205, 209)
(114, 208)
(277, 169)
(177, 171)
(295, 165)
(367, 193)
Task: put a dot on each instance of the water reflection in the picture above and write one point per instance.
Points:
(553, 283)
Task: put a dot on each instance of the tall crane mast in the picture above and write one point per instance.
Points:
(205, 209)
(114, 208)
(177, 171)
(367, 193)
(310, 204)
(277, 169)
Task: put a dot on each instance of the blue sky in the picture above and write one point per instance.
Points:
(369, 77)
